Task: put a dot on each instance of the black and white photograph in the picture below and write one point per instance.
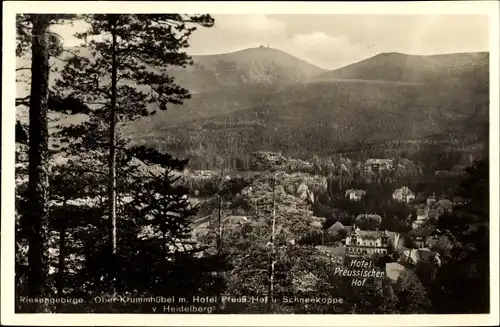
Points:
(203, 163)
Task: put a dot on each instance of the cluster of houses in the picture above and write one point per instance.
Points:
(403, 194)
(426, 213)
(375, 165)
(431, 211)
(408, 250)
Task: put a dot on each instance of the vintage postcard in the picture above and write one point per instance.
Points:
(247, 163)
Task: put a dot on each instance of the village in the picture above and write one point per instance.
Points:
(400, 251)
(394, 251)
(408, 249)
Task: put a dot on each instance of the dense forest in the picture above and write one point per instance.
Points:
(355, 119)
(106, 210)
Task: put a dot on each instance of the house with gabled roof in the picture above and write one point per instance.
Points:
(403, 194)
(431, 202)
(335, 228)
(355, 195)
(348, 229)
(444, 206)
(419, 224)
(374, 165)
(393, 270)
(363, 242)
(339, 230)
(415, 256)
(421, 214)
(420, 236)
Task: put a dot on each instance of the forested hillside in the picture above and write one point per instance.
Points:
(265, 99)
(325, 118)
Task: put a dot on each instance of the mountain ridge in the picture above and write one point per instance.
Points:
(400, 67)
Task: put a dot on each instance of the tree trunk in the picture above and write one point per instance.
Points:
(219, 226)
(273, 251)
(112, 150)
(112, 165)
(38, 183)
(62, 257)
(164, 243)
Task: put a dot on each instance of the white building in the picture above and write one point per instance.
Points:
(403, 194)
(363, 242)
(355, 195)
(373, 165)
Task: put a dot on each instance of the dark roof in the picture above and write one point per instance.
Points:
(426, 254)
(447, 204)
(458, 198)
(374, 234)
(337, 251)
(337, 227)
(369, 216)
(348, 229)
(424, 232)
(432, 213)
(418, 255)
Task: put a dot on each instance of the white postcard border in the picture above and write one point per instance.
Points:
(8, 317)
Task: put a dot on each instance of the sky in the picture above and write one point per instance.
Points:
(333, 41)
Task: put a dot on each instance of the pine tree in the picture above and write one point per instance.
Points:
(71, 214)
(252, 245)
(33, 30)
(38, 151)
(136, 49)
(87, 146)
(157, 218)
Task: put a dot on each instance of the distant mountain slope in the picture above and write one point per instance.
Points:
(329, 117)
(250, 66)
(453, 68)
(208, 104)
(253, 66)
(264, 99)
(466, 74)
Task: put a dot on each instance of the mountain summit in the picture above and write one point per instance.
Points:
(260, 65)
